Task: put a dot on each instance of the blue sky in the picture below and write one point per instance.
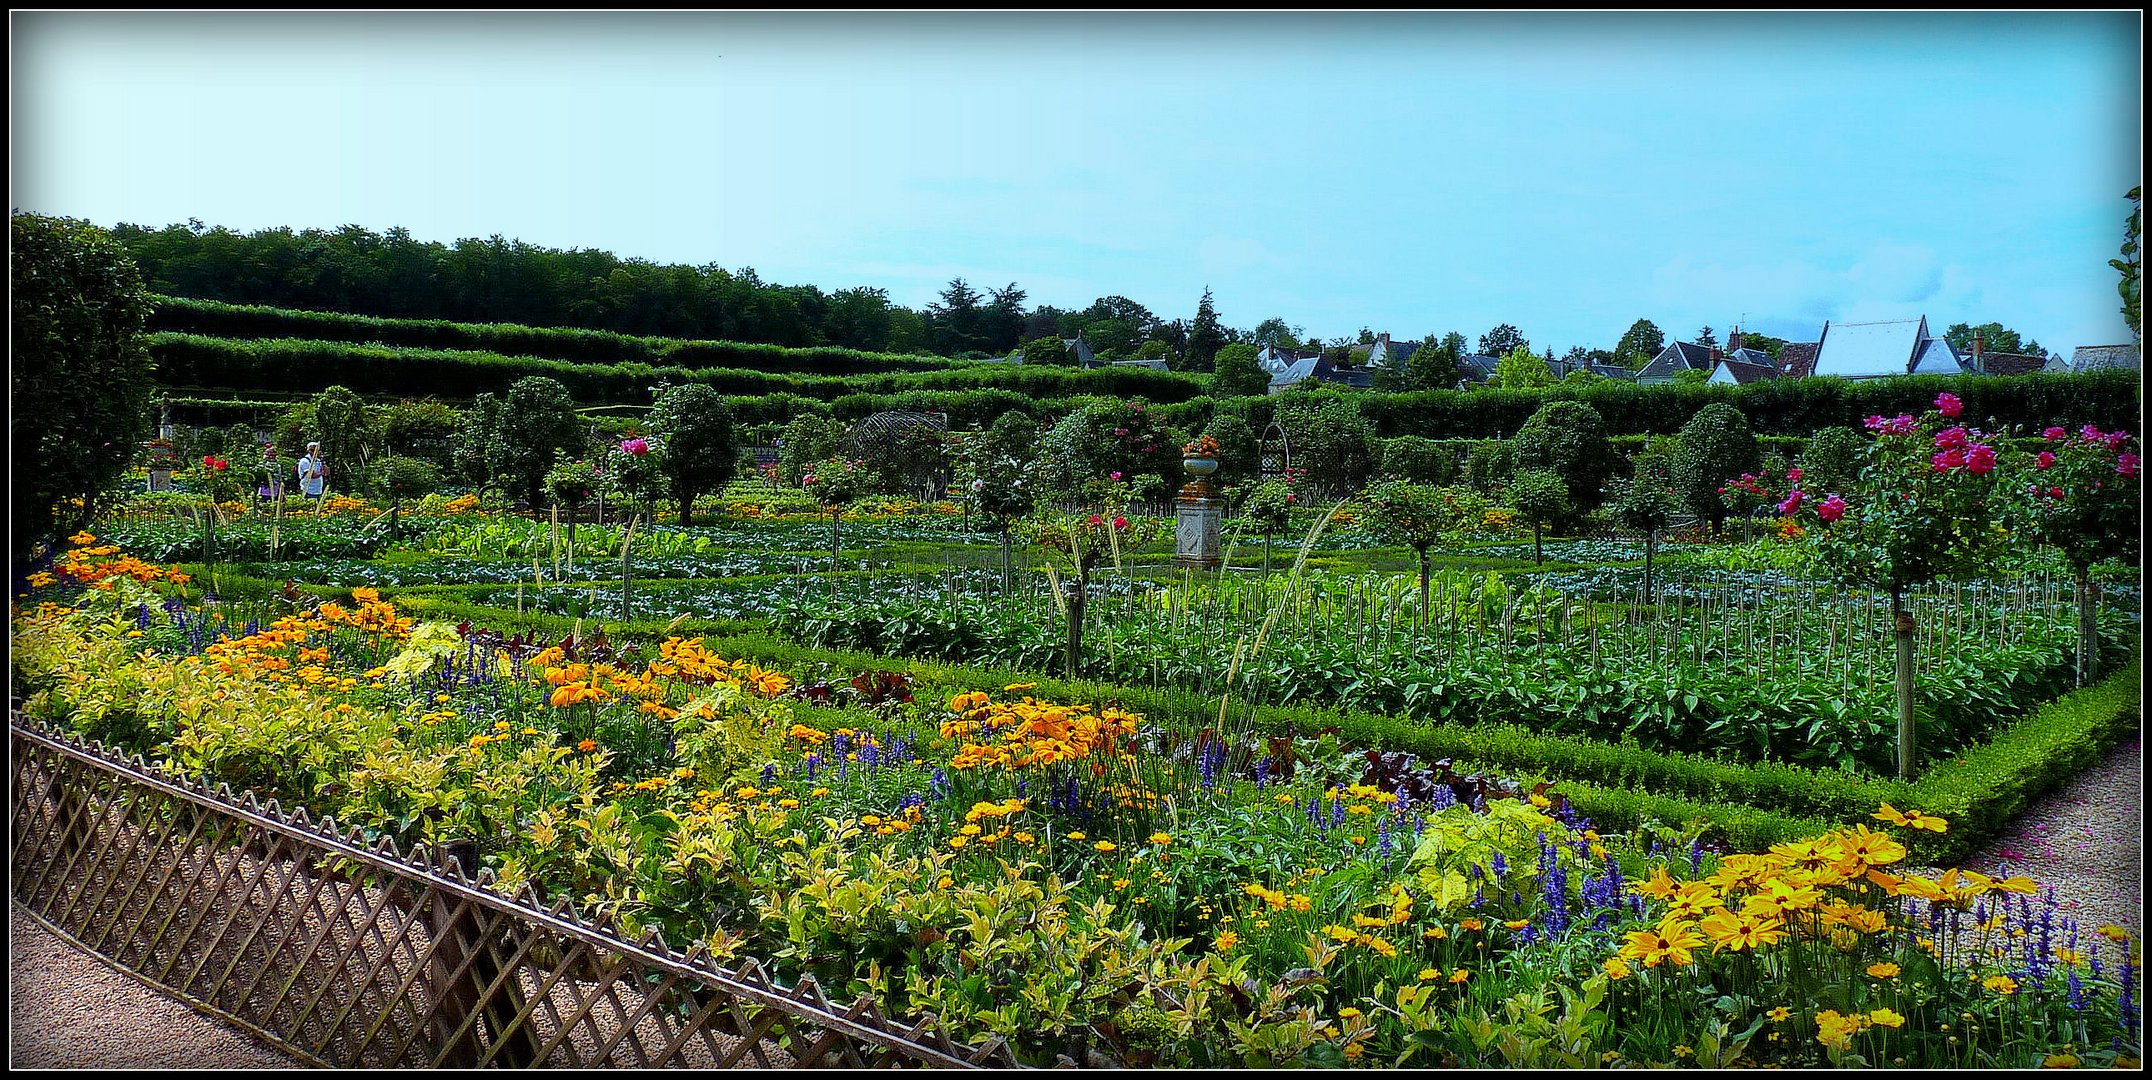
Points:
(1411, 173)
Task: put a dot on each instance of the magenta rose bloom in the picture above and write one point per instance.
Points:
(2127, 464)
(2044, 461)
(1949, 406)
(1951, 438)
(1792, 503)
(1980, 460)
(2055, 434)
(1831, 509)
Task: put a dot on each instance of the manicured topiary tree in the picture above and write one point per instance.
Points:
(81, 375)
(1542, 499)
(1832, 461)
(570, 484)
(400, 478)
(810, 438)
(835, 482)
(1268, 506)
(1569, 439)
(1715, 445)
(2083, 496)
(537, 425)
(694, 443)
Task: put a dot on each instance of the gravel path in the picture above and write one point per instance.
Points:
(67, 1010)
(2086, 840)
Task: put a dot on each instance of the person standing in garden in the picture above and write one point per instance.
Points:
(313, 471)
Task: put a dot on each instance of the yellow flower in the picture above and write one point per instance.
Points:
(1459, 975)
(1013, 688)
(1226, 941)
(2066, 1060)
(1075, 836)
(1911, 819)
(959, 841)
(1103, 846)
(1161, 838)
(1430, 974)
(1738, 932)
(1780, 1014)
(1886, 1018)
(1347, 1013)
(2001, 984)
(1836, 1031)
(945, 882)
(1615, 969)
(1883, 970)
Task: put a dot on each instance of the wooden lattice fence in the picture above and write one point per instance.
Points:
(356, 955)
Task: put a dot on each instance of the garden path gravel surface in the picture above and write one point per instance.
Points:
(68, 1010)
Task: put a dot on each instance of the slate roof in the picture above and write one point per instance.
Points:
(1611, 371)
(1798, 359)
(1752, 356)
(1320, 368)
(1676, 357)
(1937, 357)
(1874, 350)
(1476, 367)
(2005, 363)
(2096, 357)
(1742, 372)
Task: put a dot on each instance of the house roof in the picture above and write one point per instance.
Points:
(1752, 356)
(1477, 367)
(1611, 371)
(2095, 357)
(2005, 363)
(1295, 372)
(1798, 359)
(1876, 349)
(1742, 372)
(1937, 357)
(1677, 356)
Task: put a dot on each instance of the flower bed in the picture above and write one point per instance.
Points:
(1074, 875)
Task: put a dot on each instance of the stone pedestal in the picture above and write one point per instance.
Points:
(160, 479)
(1198, 516)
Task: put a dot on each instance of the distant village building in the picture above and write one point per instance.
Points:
(1879, 350)
(1320, 368)
(1386, 353)
(1277, 359)
(1076, 347)
(1983, 362)
(1476, 369)
(2098, 358)
(1675, 358)
(1797, 360)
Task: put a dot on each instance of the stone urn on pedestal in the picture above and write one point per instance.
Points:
(1198, 511)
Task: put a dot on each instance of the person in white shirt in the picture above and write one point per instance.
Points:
(313, 471)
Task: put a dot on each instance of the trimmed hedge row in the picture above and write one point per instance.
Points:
(211, 318)
(295, 365)
(1775, 407)
(1749, 806)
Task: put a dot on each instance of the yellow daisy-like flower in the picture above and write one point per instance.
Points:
(2001, 984)
(1780, 1015)
(1104, 845)
(1161, 838)
(1615, 969)
(1459, 975)
(1430, 974)
(1226, 941)
(1883, 970)
(1886, 1018)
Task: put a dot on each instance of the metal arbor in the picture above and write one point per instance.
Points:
(905, 446)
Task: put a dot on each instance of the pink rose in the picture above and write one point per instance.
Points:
(1947, 460)
(1831, 509)
(2054, 493)
(1950, 438)
(1793, 501)
(1116, 476)
(2055, 434)
(2090, 433)
(2127, 463)
(1794, 474)
(1949, 405)
(2044, 461)
(1980, 460)
(1097, 520)
(1120, 522)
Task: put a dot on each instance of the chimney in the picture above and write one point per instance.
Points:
(1715, 357)
(1979, 346)
(1733, 340)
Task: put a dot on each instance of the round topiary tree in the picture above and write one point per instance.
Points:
(80, 388)
(1569, 439)
(1419, 517)
(2083, 496)
(537, 424)
(1645, 502)
(697, 445)
(1713, 447)
(1832, 461)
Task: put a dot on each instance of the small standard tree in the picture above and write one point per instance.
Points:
(1569, 439)
(1645, 502)
(2082, 495)
(1419, 517)
(80, 386)
(1832, 461)
(1713, 447)
(1542, 499)
(697, 444)
(1926, 507)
